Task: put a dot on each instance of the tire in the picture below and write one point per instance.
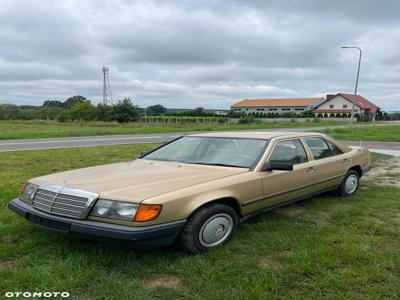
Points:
(207, 228)
(349, 184)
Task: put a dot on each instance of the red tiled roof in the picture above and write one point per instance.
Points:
(275, 102)
(360, 101)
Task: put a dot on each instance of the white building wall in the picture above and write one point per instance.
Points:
(266, 110)
(338, 102)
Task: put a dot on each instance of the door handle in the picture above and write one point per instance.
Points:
(346, 160)
(311, 170)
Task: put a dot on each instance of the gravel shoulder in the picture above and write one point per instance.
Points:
(385, 173)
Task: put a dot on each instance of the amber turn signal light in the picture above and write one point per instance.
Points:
(147, 212)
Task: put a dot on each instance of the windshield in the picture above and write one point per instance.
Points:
(221, 151)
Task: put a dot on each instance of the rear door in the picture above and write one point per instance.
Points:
(329, 163)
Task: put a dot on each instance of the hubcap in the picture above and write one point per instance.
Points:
(215, 230)
(351, 184)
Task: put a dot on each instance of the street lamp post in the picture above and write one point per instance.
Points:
(358, 73)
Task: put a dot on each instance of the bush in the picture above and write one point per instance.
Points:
(246, 120)
(125, 111)
(82, 111)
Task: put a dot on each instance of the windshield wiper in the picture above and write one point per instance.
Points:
(216, 164)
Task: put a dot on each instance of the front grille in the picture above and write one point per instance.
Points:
(63, 201)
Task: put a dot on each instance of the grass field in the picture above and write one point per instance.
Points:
(43, 129)
(323, 247)
(389, 133)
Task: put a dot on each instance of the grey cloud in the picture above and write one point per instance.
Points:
(191, 53)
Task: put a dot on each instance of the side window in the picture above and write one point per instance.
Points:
(291, 151)
(335, 149)
(318, 147)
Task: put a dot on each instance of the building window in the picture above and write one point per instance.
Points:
(344, 105)
(331, 106)
(272, 109)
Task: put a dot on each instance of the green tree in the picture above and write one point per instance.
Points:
(53, 103)
(10, 112)
(156, 110)
(82, 111)
(49, 112)
(104, 112)
(71, 101)
(125, 111)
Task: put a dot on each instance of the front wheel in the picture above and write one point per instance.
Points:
(208, 227)
(349, 184)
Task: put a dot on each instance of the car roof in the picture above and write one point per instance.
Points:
(255, 134)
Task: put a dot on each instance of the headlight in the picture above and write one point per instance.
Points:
(28, 191)
(115, 210)
(126, 211)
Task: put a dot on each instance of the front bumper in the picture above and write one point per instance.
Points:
(146, 236)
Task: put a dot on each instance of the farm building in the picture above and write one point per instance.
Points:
(341, 103)
(280, 106)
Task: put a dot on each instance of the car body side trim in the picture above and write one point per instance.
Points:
(268, 208)
(252, 201)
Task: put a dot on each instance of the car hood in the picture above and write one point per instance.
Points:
(137, 180)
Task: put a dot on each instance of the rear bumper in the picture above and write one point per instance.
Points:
(146, 236)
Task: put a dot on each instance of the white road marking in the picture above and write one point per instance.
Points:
(62, 147)
(88, 140)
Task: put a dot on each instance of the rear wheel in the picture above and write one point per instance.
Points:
(349, 184)
(208, 227)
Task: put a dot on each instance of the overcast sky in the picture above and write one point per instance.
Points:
(198, 53)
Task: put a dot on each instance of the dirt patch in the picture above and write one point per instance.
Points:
(8, 264)
(291, 210)
(395, 218)
(167, 280)
(339, 207)
(268, 262)
(287, 252)
(322, 217)
(385, 173)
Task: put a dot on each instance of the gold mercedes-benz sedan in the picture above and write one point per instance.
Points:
(193, 191)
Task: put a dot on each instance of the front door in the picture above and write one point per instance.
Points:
(283, 186)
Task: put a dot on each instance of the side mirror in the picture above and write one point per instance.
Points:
(269, 166)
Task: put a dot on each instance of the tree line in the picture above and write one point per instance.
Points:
(79, 108)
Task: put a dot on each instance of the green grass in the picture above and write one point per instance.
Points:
(335, 248)
(44, 129)
(379, 156)
(388, 133)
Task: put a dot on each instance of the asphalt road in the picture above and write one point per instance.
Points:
(88, 141)
(107, 140)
